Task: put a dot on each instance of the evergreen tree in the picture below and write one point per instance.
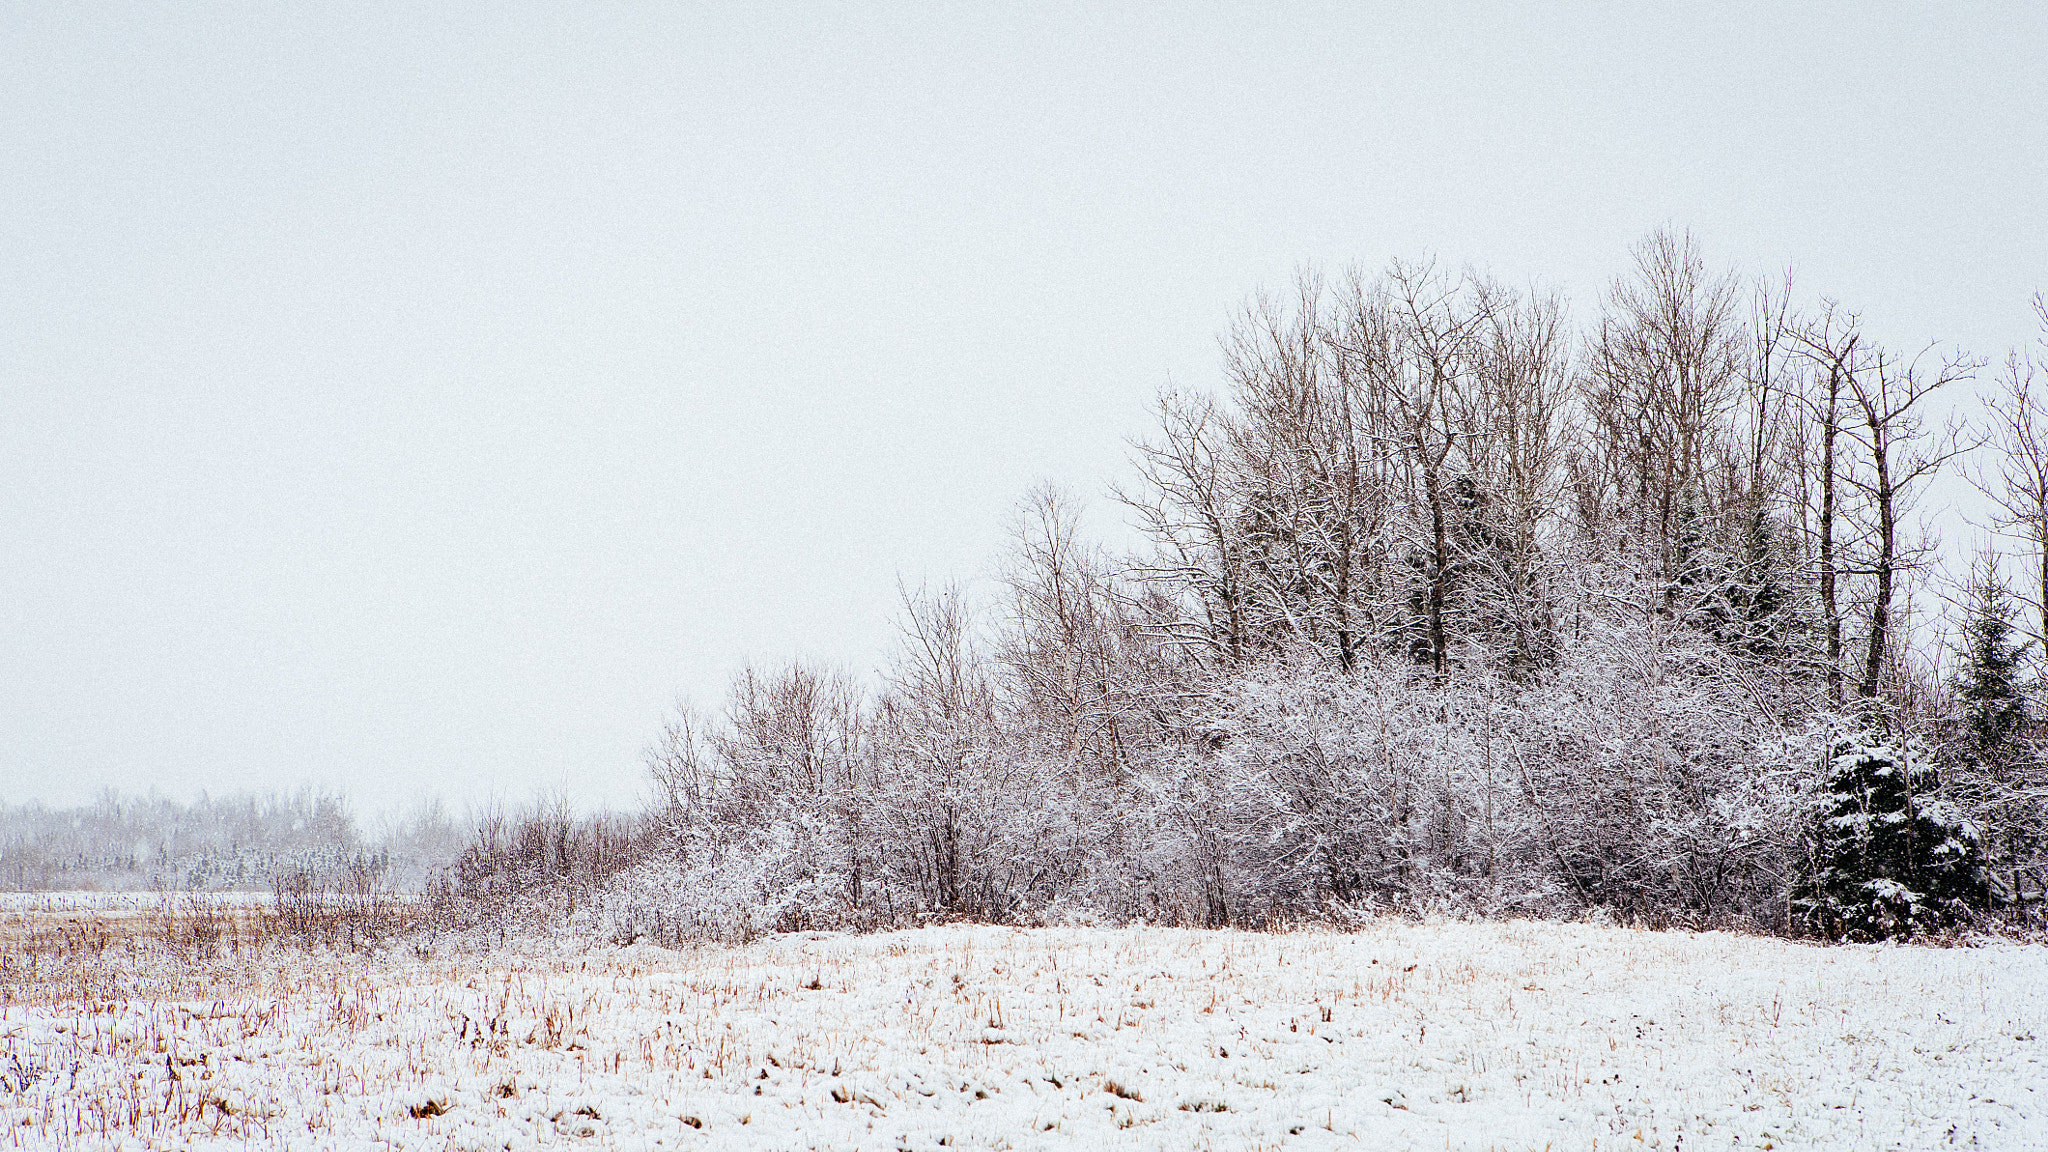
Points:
(1732, 580)
(1998, 777)
(1989, 686)
(1892, 857)
(1763, 599)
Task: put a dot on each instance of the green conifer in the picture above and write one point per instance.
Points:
(1893, 858)
(1990, 685)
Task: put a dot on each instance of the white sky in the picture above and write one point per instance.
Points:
(417, 399)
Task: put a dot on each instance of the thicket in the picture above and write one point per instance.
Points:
(533, 870)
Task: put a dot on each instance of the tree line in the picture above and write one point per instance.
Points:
(1445, 603)
(237, 842)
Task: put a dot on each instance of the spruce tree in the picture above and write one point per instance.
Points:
(1731, 582)
(1763, 599)
(1892, 858)
(1997, 774)
(1989, 687)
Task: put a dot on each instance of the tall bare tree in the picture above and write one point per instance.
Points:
(2016, 478)
(1067, 649)
(1902, 451)
(1832, 342)
(1293, 449)
(1437, 337)
(1520, 417)
(1186, 505)
(939, 723)
(1662, 375)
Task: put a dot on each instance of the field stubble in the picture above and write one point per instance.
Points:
(161, 1029)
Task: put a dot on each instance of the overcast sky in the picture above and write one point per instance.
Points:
(418, 399)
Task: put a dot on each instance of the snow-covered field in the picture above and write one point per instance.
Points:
(1401, 1035)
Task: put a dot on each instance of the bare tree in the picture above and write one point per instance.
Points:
(940, 735)
(1314, 495)
(1067, 648)
(1436, 338)
(1770, 378)
(1186, 506)
(1832, 342)
(682, 763)
(1661, 376)
(1902, 452)
(795, 732)
(1520, 417)
(2016, 427)
(1282, 457)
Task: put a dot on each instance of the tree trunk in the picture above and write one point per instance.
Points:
(1881, 602)
(1831, 614)
(1440, 577)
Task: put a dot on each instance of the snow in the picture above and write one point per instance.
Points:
(1399, 1035)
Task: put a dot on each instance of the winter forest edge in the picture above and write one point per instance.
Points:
(1442, 606)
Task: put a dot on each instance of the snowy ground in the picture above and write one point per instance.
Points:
(1457, 1036)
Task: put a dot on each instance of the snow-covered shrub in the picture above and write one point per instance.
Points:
(813, 806)
(529, 871)
(1635, 773)
(763, 880)
(1656, 785)
(1330, 788)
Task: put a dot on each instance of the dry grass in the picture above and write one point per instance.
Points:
(1455, 1034)
(179, 945)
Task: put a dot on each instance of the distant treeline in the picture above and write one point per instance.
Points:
(238, 842)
